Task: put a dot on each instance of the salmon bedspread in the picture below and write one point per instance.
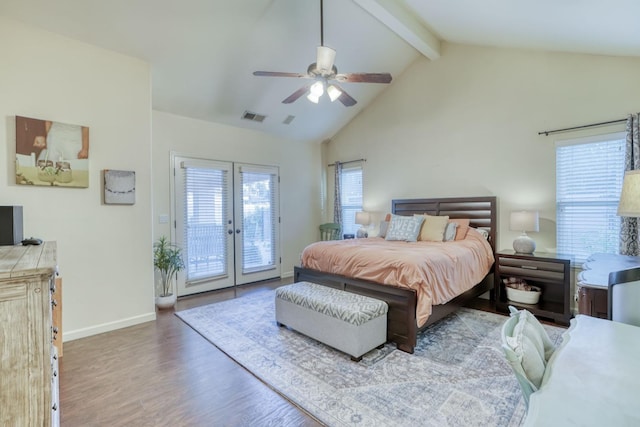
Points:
(437, 271)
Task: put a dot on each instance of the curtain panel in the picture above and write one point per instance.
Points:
(629, 225)
(337, 191)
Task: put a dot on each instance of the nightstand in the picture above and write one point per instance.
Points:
(548, 271)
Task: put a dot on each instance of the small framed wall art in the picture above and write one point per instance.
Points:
(119, 187)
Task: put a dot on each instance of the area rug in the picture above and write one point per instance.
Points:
(457, 376)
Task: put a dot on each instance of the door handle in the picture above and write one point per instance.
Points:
(237, 231)
(229, 231)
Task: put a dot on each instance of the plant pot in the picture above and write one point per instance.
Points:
(166, 302)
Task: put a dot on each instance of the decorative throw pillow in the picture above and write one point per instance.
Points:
(532, 345)
(384, 226)
(463, 226)
(484, 231)
(450, 231)
(433, 228)
(404, 228)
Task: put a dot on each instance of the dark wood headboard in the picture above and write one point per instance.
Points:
(481, 211)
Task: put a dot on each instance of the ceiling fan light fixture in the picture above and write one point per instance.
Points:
(333, 92)
(313, 98)
(325, 58)
(317, 89)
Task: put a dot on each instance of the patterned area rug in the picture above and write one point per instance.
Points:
(457, 376)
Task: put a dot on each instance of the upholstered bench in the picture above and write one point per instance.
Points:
(352, 323)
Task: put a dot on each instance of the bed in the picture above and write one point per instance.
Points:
(402, 320)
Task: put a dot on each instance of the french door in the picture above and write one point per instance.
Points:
(227, 223)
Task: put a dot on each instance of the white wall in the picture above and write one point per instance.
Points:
(299, 163)
(104, 252)
(467, 125)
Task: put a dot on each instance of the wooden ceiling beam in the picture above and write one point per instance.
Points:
(404, 23)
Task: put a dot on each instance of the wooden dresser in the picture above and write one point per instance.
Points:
(593, 281)
(28, 359)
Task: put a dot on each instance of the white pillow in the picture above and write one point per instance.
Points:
(483, 231)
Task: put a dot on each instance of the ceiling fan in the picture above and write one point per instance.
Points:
(325, 74)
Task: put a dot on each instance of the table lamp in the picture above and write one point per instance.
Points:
(630, 197)
(524, 221)
(364, 219)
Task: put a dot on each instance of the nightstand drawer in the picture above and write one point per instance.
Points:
(530, 264)
(533, 273)
(531, 268)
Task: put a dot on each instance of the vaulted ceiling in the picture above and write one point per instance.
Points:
(203, 52)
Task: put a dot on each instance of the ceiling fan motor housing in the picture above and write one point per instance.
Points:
(325, 59)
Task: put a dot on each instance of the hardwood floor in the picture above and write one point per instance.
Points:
(163, 373)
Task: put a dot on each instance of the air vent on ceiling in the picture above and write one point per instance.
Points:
(289, 119)
(255, 117)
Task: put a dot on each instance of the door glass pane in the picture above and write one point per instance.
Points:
(258, 221)
(205, 230)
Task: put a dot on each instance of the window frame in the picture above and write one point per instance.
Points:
(348, 210)
(605, 202)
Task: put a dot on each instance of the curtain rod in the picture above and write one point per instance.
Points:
(547, 132)
(350, 161)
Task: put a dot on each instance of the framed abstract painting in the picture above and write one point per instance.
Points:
(119, 187)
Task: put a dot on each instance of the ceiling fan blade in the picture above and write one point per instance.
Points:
(280, 74)
(364, 78)
(297, 94)
(345, 98)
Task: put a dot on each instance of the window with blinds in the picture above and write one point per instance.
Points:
(351, 197)
(259, 216)
(589, 175)
(205, 207)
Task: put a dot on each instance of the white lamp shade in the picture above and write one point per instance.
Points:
(363, 218)
(524, 221)
(317, 89)
(333, 92)
(630, 196)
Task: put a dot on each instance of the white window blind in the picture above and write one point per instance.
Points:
(205, 229)
(259, 216)
(588, 183)
(351, 197)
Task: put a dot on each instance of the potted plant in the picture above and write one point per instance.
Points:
(167, 259)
